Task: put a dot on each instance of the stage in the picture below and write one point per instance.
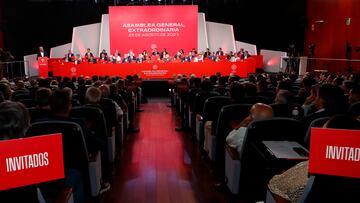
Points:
(157, 69)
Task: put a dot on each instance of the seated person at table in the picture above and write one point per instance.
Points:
(69, 56)
(163, 54)
(116, 57)
(258, 111)
(92, 60)
(207, 53)
(155, 52)
(103, 52)
(77, 59)
(290, 184)
(103, 57)
(246, 55)
(88, 53)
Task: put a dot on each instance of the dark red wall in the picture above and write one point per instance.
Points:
(330, 37)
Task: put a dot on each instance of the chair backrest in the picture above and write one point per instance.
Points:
(213, 106)
(228, 114)
(286, 110)
(108, 107)
(200, 99)
(28, 102)
(21, 96)
(191, 96)
(317, 123)
(321, 188)
(94, 118)
(354, 109)
(257, 99)
(254, 171)
(275, 129)
(74, 145)
(38, 114)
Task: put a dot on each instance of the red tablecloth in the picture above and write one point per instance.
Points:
(156, 70)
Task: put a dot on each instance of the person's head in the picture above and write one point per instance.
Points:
(14, 119)
(283, 97)
(262, 85)
(20, 85)
(93, 96)
(120, 84)
(237, 91)
(308, 82)
(331, 98)
(42, 97)
(343, 122)
(60, 103)
(88, 49)
(69, 51)
(105, 91)
(213, 79)
(250, 89)
(354, 94)
(41, 49)
(252, 79)
(261, 111)
(347, 86)
(197, 82)
(5, 90)
(222, 81)
(283, 85)
(206, 85)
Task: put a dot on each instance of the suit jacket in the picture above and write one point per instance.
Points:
(39, 55)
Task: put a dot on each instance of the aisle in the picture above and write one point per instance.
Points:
(155, 165)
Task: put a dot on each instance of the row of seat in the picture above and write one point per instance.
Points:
(207, 114)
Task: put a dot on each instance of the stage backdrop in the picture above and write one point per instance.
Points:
(145, 27)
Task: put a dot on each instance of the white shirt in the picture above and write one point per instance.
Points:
(236, 138)
(42, 54)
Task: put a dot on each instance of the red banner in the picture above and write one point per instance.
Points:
(335, 152)
(43, 66)
(146, 27)
(30, 161)
(156, 70)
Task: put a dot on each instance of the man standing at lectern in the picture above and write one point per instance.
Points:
(41, 53)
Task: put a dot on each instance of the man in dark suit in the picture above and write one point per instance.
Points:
(220, 52)
(41, 53)
(88, 53)
(329, 101)
(155, 52)
(69, 56)
(207, 53)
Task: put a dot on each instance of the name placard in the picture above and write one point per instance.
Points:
(335, 152)
(30, 161)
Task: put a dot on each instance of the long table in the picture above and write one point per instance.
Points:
(156, 70)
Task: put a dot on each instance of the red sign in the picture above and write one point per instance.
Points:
(156, 70)
(335, 152)
(43, 66)
(146, 27)
(30, 161)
